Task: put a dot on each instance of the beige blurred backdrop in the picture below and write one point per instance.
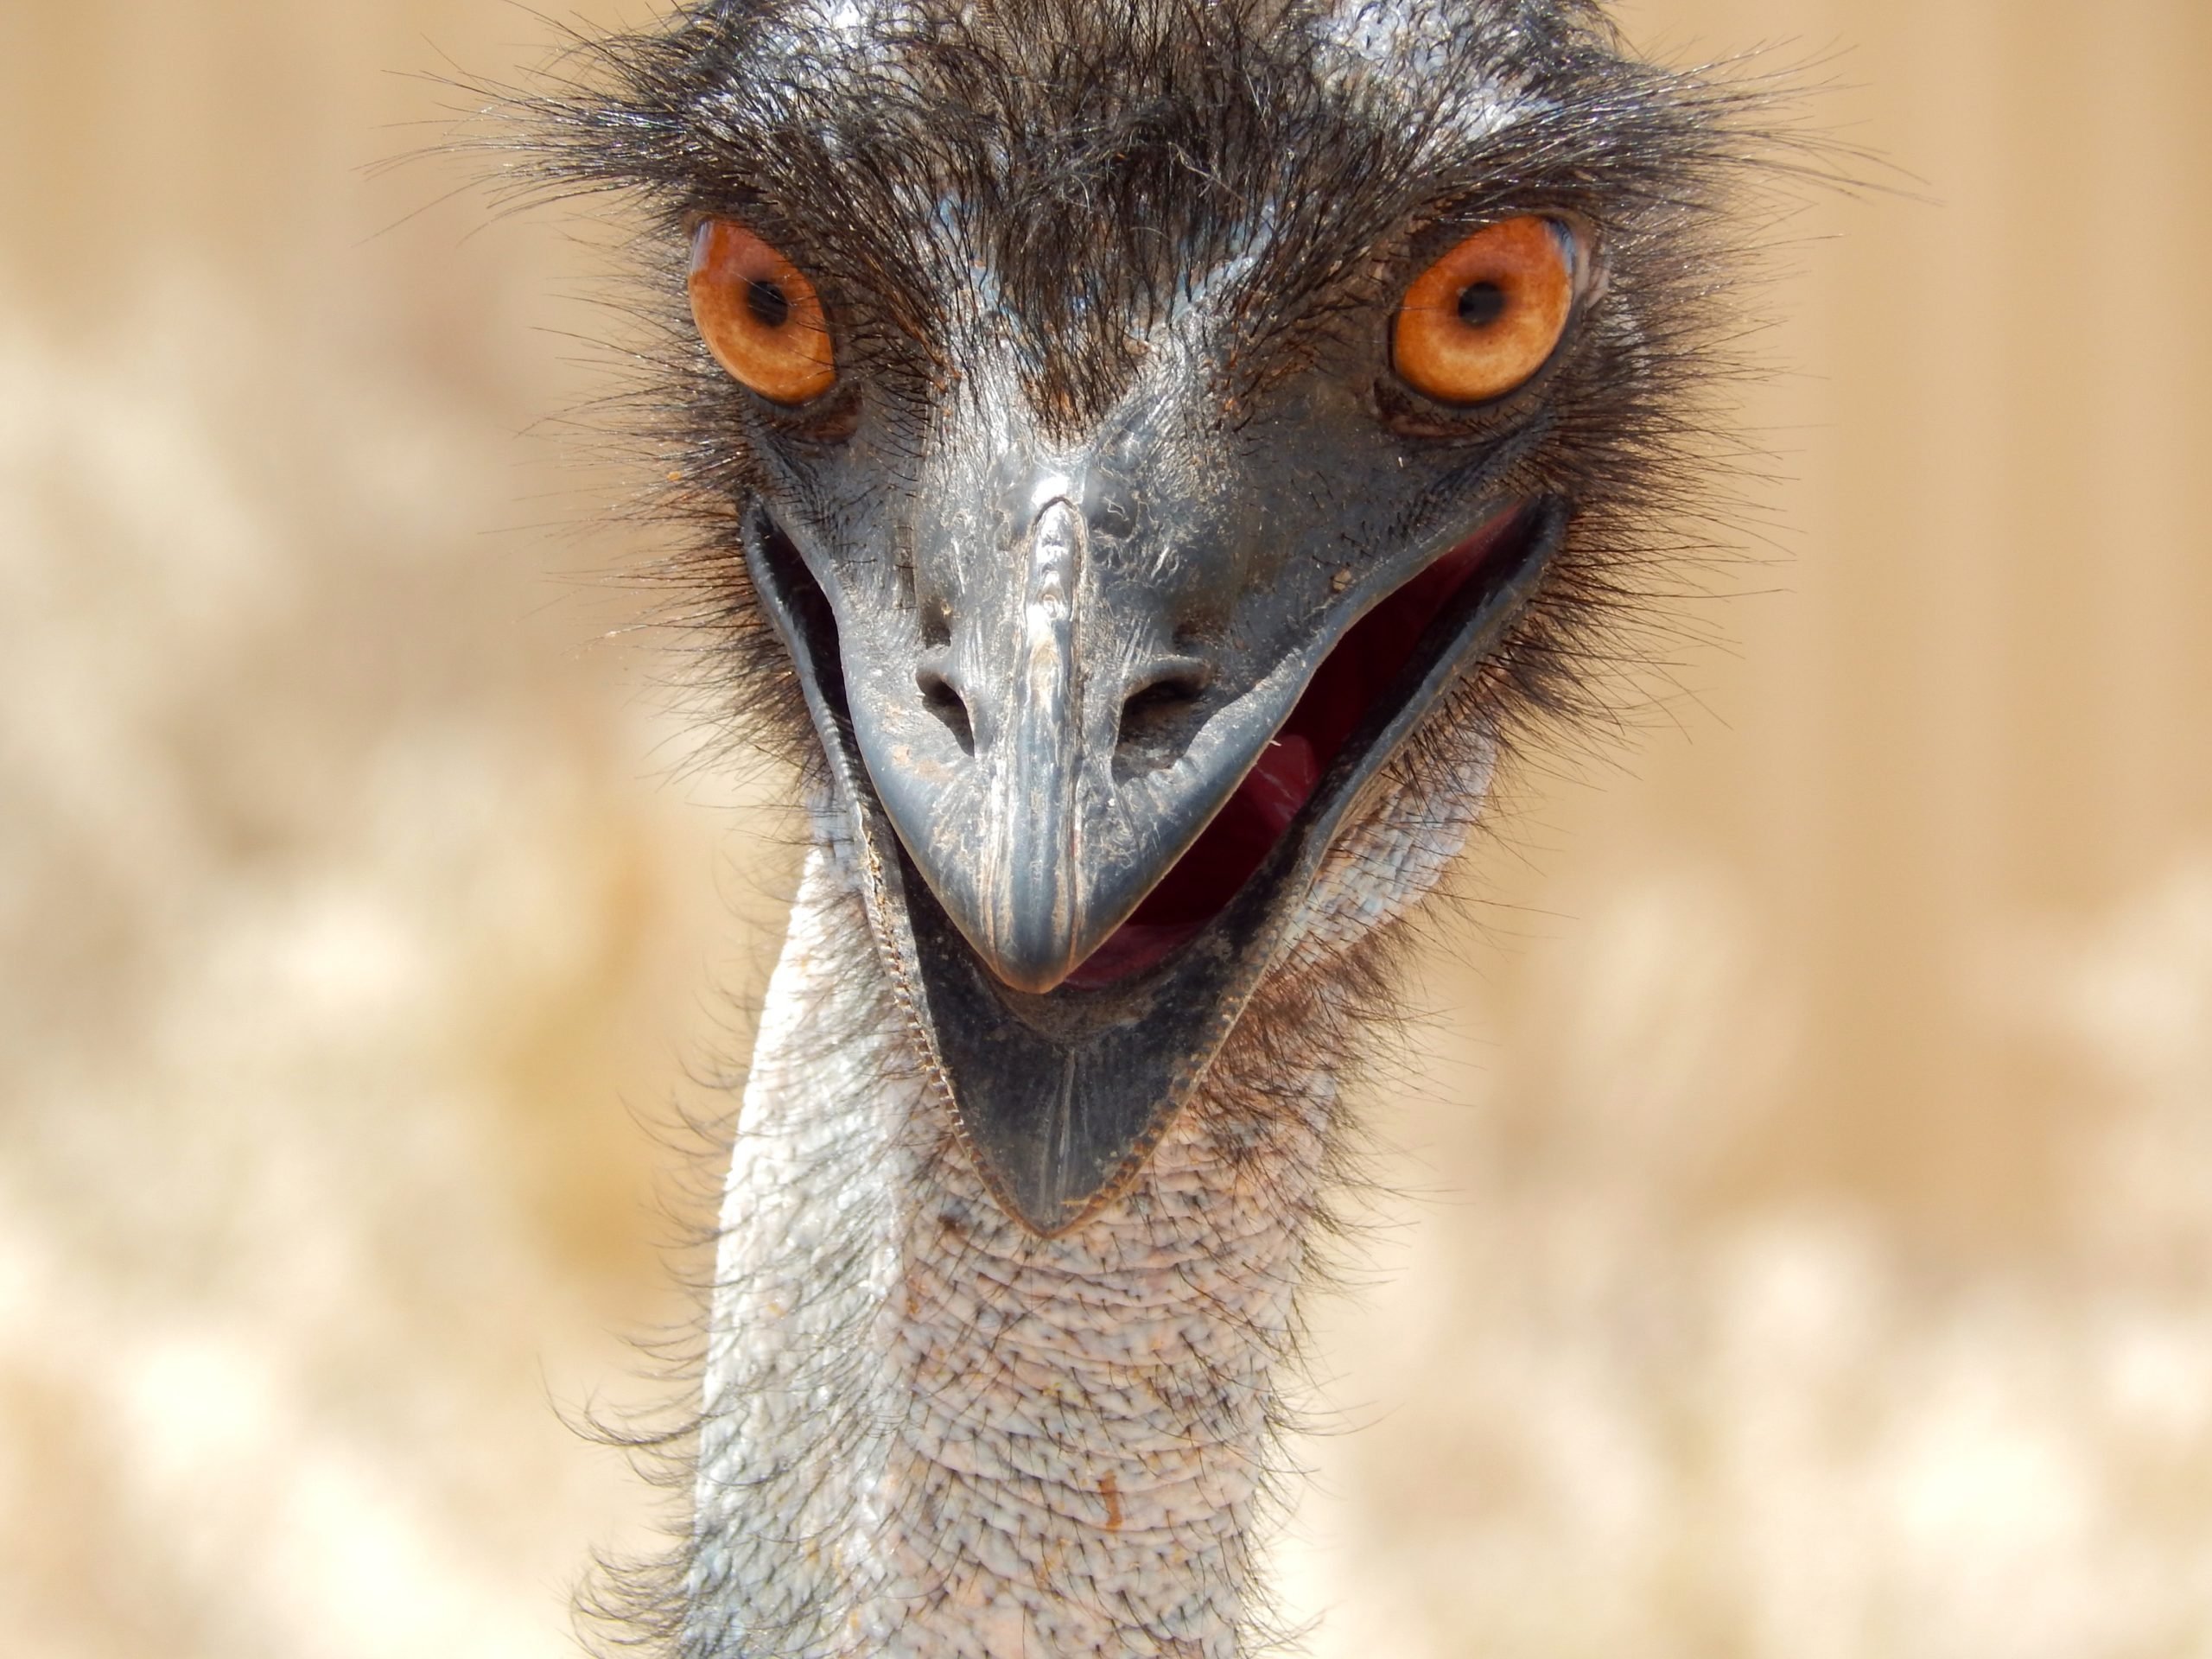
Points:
(1803, 1237)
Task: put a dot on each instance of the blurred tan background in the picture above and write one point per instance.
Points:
(1805, 1239)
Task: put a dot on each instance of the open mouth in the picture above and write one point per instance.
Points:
(1060, 1095)
(1381, 648)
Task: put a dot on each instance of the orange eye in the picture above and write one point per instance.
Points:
(758, 315)
(1484, 318)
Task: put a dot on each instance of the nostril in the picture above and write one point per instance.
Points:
(1156, 717)
(941, 700)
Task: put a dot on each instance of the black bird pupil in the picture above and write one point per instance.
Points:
(1481, 304)
(766, 300)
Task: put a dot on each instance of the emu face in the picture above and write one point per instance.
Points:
(1146, 426)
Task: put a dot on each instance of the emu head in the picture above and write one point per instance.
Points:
(1162, 437)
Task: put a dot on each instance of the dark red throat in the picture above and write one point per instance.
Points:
(1365, 664)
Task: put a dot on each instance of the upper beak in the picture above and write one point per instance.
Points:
(1006, 755)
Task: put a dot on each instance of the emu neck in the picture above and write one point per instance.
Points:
(928, 1432)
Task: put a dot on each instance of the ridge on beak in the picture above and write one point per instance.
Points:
(1028, 907)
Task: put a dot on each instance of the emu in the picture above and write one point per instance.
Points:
(1150, 463)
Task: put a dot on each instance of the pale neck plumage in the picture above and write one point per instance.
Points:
(931, 1432)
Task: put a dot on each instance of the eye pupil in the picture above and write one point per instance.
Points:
(766, 301)
(1481, 304)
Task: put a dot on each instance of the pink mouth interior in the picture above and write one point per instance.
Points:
(1364, 666)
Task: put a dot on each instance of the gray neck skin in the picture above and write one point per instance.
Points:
(928, 1432)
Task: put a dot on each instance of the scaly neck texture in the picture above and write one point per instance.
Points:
(927, 1432)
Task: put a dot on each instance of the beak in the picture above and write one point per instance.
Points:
(1056, 739)
(1012, 806)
